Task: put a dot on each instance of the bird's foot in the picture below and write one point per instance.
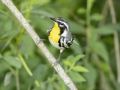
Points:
(56, 62)
(41, 40)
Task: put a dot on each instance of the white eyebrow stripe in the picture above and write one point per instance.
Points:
(67, 25)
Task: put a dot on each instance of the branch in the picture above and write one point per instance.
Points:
(41, 45)
(104, 14)
(116, 39)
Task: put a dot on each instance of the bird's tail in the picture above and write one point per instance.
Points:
(75, 42)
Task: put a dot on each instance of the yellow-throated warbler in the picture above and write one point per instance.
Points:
(60, 35)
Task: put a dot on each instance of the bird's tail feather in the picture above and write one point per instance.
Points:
(75, 42)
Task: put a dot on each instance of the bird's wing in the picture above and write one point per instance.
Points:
(48, 31)
(71, 36)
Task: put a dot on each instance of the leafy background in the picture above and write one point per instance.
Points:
(93, 65)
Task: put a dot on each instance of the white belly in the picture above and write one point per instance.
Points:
(55, 45)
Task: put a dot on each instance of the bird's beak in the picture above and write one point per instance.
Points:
(53, 19)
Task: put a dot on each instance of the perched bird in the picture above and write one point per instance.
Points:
(60, 35)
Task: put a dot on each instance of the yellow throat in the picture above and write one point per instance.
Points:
(54, 34)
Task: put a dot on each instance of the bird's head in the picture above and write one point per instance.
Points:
(61, 23)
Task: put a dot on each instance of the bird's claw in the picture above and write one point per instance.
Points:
(41, 40)
(56, 62)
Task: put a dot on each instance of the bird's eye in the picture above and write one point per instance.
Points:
(61, 25)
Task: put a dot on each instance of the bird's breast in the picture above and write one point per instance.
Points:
(55, 34)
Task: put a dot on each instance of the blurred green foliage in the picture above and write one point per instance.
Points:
(91, 65)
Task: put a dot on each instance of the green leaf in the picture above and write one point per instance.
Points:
(79, 69)
(89, 5)
(76, 77)
(14, 61)
(70, 57)
(8, 29)
(107, 29)
(78, 57)
(68, 63)
(101, 50)
(39, 72)
(96, 17)
(50, 86)
(8, 26)
(7, 78)
(27, 45)
(3, 68)
(105, 67)
(91, 76)
(81, 11)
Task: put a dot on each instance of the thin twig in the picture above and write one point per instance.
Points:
(41, 45)
(104, 14)
(27, 69)
(17, 80)
(104, 84)
(116, 39)
(106, 87)
(101, 23)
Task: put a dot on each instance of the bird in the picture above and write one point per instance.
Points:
(59, 35)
